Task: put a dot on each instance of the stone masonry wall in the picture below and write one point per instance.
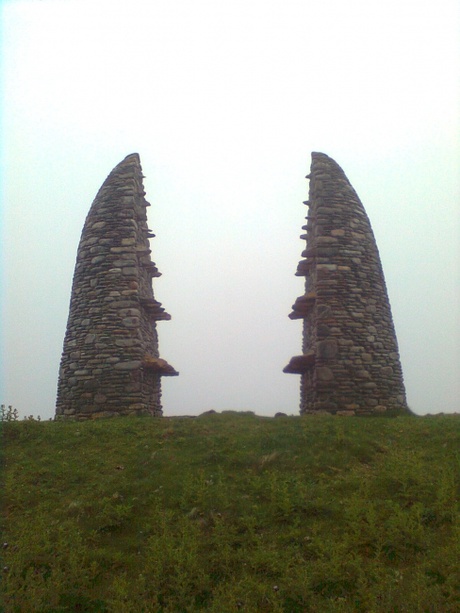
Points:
(110, 362)
(350, 362)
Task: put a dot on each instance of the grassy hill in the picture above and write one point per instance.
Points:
(231, 512)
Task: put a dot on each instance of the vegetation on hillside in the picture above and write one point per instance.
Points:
(231, 512)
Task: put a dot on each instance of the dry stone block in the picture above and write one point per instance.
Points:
(327, 349)
(324, 373)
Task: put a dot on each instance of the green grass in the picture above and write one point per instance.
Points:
(231, 512)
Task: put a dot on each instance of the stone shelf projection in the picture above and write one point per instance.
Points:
(350, 362)
(110, 363)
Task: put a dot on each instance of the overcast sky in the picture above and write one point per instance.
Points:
(224, 101)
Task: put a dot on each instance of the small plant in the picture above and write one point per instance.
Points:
(32, 418)
(7, 413)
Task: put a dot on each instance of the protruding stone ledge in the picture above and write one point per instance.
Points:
(303, 268)
(159, 366)
(300, 364)
(163, 316)
(303, 306)
(151, 269)
(154, 309)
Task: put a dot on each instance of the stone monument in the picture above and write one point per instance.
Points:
(110, 363)
(350, 361)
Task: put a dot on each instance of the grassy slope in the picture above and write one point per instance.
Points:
(231, 512)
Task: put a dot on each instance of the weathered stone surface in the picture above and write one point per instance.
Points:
(132, 365)
(351, 361)
(324, 373)
(110, 327)
(327, 349)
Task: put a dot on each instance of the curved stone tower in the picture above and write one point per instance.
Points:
(350, 362)
(110, 363)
